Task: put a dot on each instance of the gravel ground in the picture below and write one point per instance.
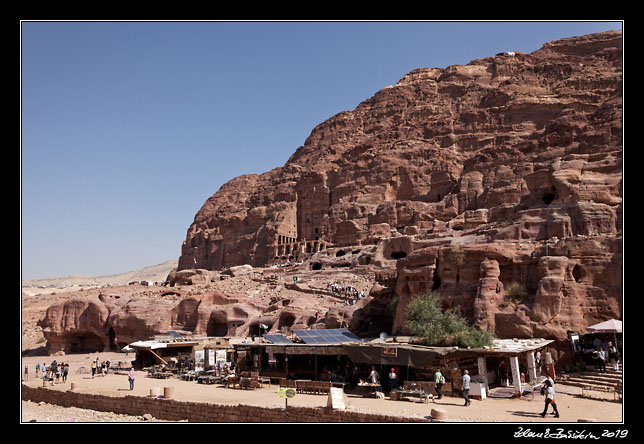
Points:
(43, 412)
(495, 409)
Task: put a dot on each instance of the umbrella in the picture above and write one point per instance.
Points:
(610, 326)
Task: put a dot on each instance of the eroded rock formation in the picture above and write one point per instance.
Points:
(503, 158)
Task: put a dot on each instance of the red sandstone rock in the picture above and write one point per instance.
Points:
(512, 149)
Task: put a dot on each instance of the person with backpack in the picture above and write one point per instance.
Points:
(439, 380)
(550, 399)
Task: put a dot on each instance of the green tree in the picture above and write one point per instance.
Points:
(426, 319)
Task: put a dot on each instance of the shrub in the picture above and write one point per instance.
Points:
(516, 292)
(426, 319)
(456, 257)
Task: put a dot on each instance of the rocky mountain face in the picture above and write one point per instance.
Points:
(469, 180)
(497, 184)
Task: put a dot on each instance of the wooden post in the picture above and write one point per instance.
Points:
(162, 360)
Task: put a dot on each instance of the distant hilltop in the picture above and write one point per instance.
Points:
(154, 273)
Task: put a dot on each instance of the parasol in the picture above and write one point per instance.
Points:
(610, 326)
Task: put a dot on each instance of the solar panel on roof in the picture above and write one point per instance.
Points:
(327, 336)
(174, 334)
(278, 339)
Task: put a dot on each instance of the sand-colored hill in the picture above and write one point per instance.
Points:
(154, 273)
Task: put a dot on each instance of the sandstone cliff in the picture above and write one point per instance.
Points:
(514, 161)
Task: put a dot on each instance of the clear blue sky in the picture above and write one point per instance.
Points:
(128, 127)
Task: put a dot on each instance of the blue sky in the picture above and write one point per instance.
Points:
(128, 127)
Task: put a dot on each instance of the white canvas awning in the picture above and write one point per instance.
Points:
(148, 345)
(610, 326)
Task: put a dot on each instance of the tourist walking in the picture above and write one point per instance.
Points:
(466, 387)
(37, 369)
(93, 368)
(550, 400)
(130, 377)
(438, 382)
(65, 372)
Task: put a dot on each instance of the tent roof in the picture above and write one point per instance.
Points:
(423, 356)
(403, 355)
(610, 326)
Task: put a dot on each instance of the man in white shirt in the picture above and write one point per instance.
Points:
(466, 387)
(374, 377)
(601, 358)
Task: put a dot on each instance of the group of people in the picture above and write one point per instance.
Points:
(350, 293)
(53, 372)
(605, 352)
(104, 367)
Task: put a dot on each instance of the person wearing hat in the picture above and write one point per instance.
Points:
(393, 379)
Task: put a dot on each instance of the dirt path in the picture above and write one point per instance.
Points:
(497, 408)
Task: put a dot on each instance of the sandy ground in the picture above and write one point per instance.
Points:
(497, 408)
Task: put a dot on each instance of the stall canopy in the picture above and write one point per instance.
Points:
(414, 356)
(610, 326)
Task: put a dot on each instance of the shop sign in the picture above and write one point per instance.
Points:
(389, 351)
(286, 393)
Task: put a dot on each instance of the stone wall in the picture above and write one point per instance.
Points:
(174, 410)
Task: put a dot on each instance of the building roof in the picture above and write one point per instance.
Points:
(153, 345)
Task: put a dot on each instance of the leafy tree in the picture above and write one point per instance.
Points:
(426, 319)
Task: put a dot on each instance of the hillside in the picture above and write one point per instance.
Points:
(154, 273)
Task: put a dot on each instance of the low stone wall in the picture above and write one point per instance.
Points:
(174, 410)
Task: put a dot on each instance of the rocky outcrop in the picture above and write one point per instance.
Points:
(501, 159)
(126, 315)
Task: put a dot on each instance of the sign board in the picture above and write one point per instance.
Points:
(389, 351)
(221, 357)
(336, 398)
(574, 342)
(286, 393)
(199, 360)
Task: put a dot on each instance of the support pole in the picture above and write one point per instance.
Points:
(516, 374)
(162, 360)
(483, 372)
(532, 367)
